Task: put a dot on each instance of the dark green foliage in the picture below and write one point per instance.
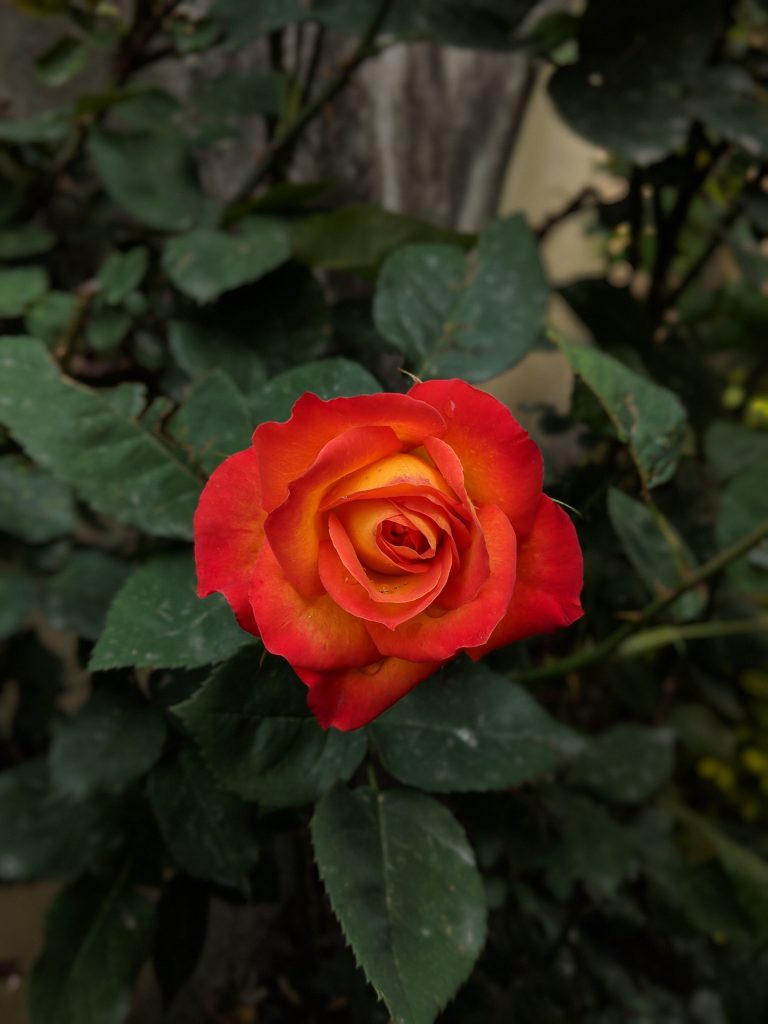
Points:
(252, 724)
(380, 853)
(457, 316)
(98, 936)
(469, 729)
(573, 830)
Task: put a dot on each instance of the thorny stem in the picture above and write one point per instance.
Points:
(283, 143)
(606, 647)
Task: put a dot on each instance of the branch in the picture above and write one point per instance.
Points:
(668, 228)
(280, 146)
(313, 63)
(663, 636)
(719, 237)
(606, 647)
(131, 55)
(579, 201)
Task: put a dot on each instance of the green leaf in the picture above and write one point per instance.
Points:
(592, 847)
(127, 399)
(25, 240)
(402, 880)
(360, 237)
(326, 378)
(33, 505)
(747, 871)
(467, 729)
(647, 417)
(121, 273)
(17, 594)
(210, 832)
(199, 346)
(110, 461)
(145, 110)
(106, 328)
(253, 726)
(659, 559)
(626, 764)
(240, 94)
(98, 935)
(108, 743)
(62, 61)
(49, 126)
(45, 833)
(467, 317)
(204, 263)
(19, 288)
(293, 328)
(702, 892)
(213, 421)
(157, 621)
(78, 596)
(728, 101)
(730, 447)
(627, 93)
(743, 505)
(47, 318)
(245, 21)
(478, 24)
(151, 176)
(193, 36)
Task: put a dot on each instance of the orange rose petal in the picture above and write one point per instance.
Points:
(398, 598)
(465, 583)
(351, 698)
(295, 529)
(395, 473)
(436, 635)
(382, 587)
(445, 518)
(469, 575)
(550, 574)
(229, 531)
(502, 465)
(361, 521)
(305, 630)
(290, 448)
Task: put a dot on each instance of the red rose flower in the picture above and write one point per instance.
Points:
(368, 540)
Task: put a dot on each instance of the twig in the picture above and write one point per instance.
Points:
(579, 201)
(614, 640)
(131, 54)
(84, 296)
(281, 146)
(276, 64)
(668, 228)
(314, 63)
(718, 238)
(663, 636)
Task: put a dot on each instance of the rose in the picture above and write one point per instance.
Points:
(368, 540)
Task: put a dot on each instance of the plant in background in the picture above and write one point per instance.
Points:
(572, 829)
